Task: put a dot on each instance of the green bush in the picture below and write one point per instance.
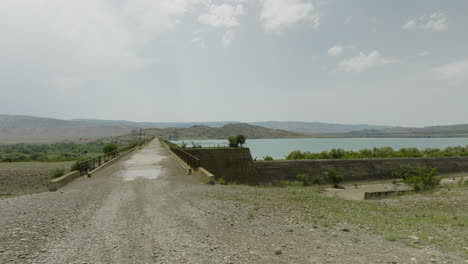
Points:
(241, 139)
(58, 172)
(221, 181)
(110, 147)
(383, 152)
(307, 179)
(404, 172)
(335, 177)
(425, 179)
(268, 157)
(233, 142)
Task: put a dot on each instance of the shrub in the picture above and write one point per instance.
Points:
(308, 179)
(295, 155)
(382, 152)
(335, 177)
(425, 179)
(221, 181)
(404, 172)
(268, 157)
(233, 142)
(58, 172)
(241, 139)
(109, 147)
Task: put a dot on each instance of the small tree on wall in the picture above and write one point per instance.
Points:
(241, 140)
(233, 142)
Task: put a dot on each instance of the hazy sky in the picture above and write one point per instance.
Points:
(376, 62)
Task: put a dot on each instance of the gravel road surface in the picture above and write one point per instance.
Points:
(145, 209)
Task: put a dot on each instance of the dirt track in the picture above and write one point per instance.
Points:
(166, 217)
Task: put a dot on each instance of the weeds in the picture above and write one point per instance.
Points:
(425, 179)
(58, 172)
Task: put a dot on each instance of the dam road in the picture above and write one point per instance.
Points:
(146, 209)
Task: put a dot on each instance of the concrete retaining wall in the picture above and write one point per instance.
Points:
(58, 183)
(354, 169)
(55, 184)
(236, 165)
(232, 164)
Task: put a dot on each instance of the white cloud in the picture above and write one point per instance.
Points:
(455, 71)
(423, 53)
(278, 14)
(436, 21)
(199, 41)
(228, 37)
(79, 41)
(222, 16)
(364, 62)
(335, 51)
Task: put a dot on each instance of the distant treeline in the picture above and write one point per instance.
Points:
(384, 152)
(49, 152)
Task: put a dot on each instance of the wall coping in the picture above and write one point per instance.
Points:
(363, 159)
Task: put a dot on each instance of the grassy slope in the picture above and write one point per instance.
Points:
(439, 219)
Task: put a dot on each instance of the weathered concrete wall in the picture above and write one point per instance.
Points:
(63, 180)
(236, 164)
(232, 164)
(354, 169)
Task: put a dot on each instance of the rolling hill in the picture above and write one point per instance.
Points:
(315, 127)
(28, 129)
(206, 132)
(430, 131)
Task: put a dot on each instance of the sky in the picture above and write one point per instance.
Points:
(399, 63)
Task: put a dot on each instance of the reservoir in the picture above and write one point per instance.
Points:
(280, 148)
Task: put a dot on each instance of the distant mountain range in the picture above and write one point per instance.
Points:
(206, 132)
(15, 129)
(315, 127)
(299, 127)
(23, 129)
(431, 131)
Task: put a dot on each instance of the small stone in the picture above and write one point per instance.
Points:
(278, 252)
(432, 260)
(414, 237)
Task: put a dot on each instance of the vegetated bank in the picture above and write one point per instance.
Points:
(54, 152)
(384, 152)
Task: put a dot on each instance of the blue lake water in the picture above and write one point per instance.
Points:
(279, 148)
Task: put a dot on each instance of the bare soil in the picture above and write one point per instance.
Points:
(19, 178)
(145, 209)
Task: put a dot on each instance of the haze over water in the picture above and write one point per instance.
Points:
(279, 148)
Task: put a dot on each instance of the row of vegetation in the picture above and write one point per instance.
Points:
(234, 142)
(49, 152)
(383, 152)
(421, 179)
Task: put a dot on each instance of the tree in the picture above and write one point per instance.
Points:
(335, 177)
(233, 143)
(109, 147)
(241, 139)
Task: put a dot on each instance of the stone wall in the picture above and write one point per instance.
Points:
(236, 165)
(232, 164)
(354, 169)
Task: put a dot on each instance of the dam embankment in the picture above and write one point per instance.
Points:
(237, 165)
